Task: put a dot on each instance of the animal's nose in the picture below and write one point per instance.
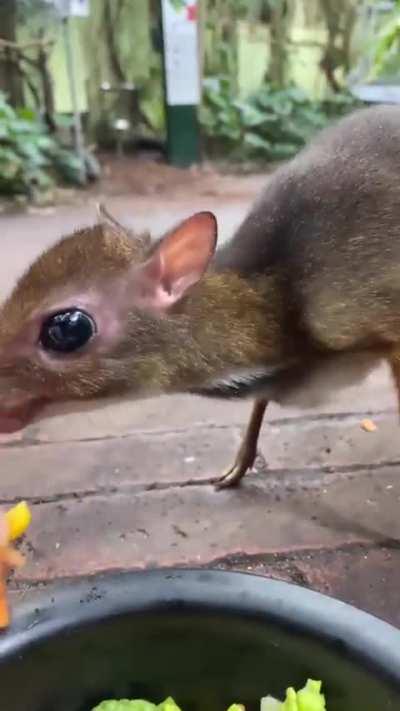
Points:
(11, 393)
(17, 409)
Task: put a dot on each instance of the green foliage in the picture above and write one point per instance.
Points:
(273, 124)
(387, 48)
(31, 159)
(28, 10)
(177, 4)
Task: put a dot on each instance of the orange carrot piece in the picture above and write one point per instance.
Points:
(4, 610)
(9, 558)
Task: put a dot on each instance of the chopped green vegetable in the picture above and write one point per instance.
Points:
(137, 705)
(309, 698)
(167, 705)
(271, 704)
(126, 705)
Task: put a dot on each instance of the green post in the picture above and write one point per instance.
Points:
(181, 80)
(183, 139)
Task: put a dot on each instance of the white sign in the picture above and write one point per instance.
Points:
(72, 8)
(180, 28)
(79, 8)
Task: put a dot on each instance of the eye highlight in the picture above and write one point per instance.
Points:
(67, 331)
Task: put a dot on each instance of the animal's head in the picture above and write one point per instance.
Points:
(92, 316)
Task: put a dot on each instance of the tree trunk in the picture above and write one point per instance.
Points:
(277, 68)
(47, 90)
(340, 17)
(10, 78)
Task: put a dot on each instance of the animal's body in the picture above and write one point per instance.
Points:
(310, 281)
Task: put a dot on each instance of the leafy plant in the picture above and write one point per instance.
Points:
(386, 52)
(273, 124)
(29, 10)
(177, 4)
(31, 159)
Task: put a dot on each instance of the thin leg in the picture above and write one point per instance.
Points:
(248, 449)
(395, 366)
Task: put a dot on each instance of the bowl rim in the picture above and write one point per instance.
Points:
(66, 605)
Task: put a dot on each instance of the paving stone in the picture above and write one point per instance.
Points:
(197, 454)
(368, 578)
(47, 471)
(195, 525)
(121, 418)
(361, 576)
(332, 443)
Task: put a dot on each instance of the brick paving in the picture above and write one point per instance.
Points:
(130, 486)
(321, 509)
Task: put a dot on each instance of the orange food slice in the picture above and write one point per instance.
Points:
(13, 525)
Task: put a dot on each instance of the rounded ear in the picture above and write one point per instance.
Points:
(178, 261)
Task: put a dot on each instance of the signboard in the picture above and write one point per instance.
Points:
(79, 8)
(72, 8)
(180, 29)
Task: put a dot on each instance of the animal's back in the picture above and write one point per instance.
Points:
(329, 224)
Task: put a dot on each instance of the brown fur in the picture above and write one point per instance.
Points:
(312, 276)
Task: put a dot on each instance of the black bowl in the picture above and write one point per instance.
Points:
(207, 638)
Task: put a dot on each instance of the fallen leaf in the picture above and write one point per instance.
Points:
(368, 426)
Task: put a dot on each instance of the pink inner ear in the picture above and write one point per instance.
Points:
(179, 261)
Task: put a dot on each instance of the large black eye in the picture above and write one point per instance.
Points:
(67, 331)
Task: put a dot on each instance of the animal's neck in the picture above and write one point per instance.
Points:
(228, 324)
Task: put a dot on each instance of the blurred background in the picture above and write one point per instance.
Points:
(88, 88)
(160, 108)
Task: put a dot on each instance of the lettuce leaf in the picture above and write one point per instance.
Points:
(271, 704)
(126, 705)
(137, 705)
(307, 699)
(167, 705)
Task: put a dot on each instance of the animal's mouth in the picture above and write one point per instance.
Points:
(15, 416)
